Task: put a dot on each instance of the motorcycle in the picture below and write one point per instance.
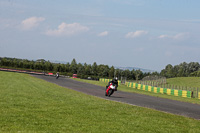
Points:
(110, 90)
(57, 76)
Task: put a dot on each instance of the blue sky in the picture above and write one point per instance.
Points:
(137, 33)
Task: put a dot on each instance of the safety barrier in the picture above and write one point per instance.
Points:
(160, 90)
(21, 71)
(199, 95)
(107, 80)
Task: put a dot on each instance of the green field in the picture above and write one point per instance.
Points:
(185, 81)
(28, 104)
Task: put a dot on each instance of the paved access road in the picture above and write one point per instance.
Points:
(166, 105)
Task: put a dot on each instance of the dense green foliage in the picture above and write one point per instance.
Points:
(182, 70)
(82, 70)
(28, 104)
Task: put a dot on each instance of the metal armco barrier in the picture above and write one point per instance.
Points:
(160, 90)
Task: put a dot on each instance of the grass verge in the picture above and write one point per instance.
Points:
(28, 104)
(185, 81)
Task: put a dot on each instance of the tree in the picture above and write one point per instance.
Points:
(118, 73)
(133, 74)
(94, 69)
(193, 66)
(169, 71)
(4, 62)
(180, 71)
(88, 69)
(105, 72)
(67, 67)
(58, 68)
(127, 74)
(138, 75)
(80, 69)
(183, 72)
(63, 68)
(100, 69)
(26, 64)
(14, 63)
(73, 66)
(111, 72)
(49, 66)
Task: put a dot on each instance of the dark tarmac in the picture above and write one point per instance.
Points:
(161, 104)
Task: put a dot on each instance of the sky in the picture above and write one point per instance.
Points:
(148, 34)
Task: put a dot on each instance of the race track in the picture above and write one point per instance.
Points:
(166, 105)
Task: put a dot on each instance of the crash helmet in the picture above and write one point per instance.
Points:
(115, 79)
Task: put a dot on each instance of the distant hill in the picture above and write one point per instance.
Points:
(56, 61)
(135, 68)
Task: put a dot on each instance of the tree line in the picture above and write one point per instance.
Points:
(99, 71)
(184, 69)
(82, 70)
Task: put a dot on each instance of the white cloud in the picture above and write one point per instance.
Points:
(136, 34)
(163, 36)
(31, 22)
(179, 36)
(67, 29)
(105, 33)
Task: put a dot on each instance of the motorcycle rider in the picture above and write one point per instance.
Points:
(57, 75)
(113, 82)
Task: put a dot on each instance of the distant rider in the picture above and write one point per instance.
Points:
(57, 75)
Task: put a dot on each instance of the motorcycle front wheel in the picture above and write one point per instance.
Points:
(110, 92)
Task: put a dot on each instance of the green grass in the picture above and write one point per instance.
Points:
(132, 90)
(28, 104)
(185, 81)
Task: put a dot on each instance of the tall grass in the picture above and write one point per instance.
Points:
(28, 104)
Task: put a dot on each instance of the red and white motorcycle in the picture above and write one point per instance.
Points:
(110, 90)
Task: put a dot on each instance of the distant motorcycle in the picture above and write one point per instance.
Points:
(57, 76)
(110, 90)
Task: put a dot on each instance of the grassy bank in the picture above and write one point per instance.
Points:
(185, 81)
(28, 104)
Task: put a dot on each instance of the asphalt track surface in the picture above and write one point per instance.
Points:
(161, 104)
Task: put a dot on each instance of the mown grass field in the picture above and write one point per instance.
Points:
(185, 81)
(128, 89)
(28, 104)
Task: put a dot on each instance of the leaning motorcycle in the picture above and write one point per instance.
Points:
(110, 90)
